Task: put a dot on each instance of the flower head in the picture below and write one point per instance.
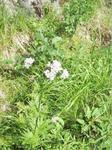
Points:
(28, 62)
(56, 66)
(55, 119)
(53, 69)
(65, 74)
(49, 74)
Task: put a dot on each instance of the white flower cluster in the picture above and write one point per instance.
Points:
(28, 62)
(53, 69)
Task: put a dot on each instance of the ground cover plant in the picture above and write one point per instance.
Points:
(56, 78)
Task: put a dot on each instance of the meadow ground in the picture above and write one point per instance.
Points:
(56, 78)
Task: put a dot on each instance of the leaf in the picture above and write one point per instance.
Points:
(56, 40)
(88, 112)
(96, 112)
(85, 128)
(81, 121)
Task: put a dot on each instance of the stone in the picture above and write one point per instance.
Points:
(30, 6)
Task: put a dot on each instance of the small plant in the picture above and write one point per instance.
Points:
(76, 11)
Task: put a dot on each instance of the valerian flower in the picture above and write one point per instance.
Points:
(50, 74)
(28, 62)
(54, 68)
(55, 119)
(65, 74)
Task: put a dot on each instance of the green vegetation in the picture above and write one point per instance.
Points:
(61, 114)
